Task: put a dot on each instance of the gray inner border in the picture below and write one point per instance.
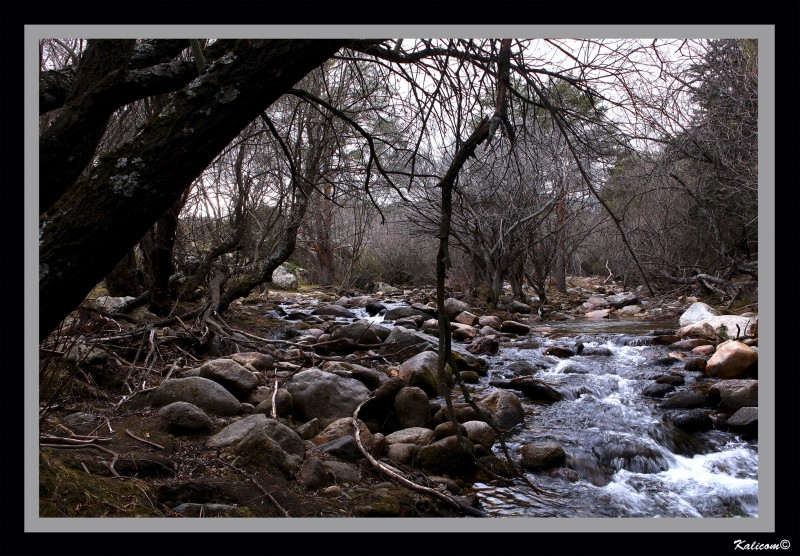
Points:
(766, 466)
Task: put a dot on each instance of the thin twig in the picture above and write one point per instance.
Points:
(140, 439)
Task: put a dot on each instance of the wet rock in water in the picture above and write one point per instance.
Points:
(470, 377)
(595, 351)
(514, 327)
(735, 394)
(731, 359)
(411, 407)
(673, 379)
(691, 420)
(542, 455)
(533, 389)
(630, 310)
(744, 421)
(504, 407)
(704, 351)
(695, 364)
(657, 390)
(375, 308)
(664, 361)
(574, 369)
(324, 395)
(181, 418)
(335, 311)
(598, 314)
(522, 368)
(484, 345)
(230, 374)
(687, 399)
(558, 351)
(616, 453)
(462, 332)
(202, 392)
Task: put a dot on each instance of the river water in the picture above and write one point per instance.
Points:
(623, 458)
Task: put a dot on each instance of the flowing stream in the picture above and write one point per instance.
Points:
(623, 458)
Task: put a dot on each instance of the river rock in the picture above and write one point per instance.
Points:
(744, 420)
(448, 457)
(691, 420)
(402, 452)
(464, 412)
(181, 418)
(616, 452)
(686, 399)
(695, 313)
(704, 351)
(630, 310)
(480, 433)
(519, 307)
(403, 343)
(411, 407)
(695, 364)
(334, 310)
(533, 389)
(491, 321)
(515, 327)
(259, 448)
(484, 344)
(453, 307)
(598, 314)
(230, 374)
(465, 317)
(421, 371)
(620, 300)
(202, 392)
(374, 307)
(413, 435)
(735, 394)
(283, 403)
(730, 360)
(404, 311)
(360, 332)
(344, 448)
(259, 361)
(542, 455)
(447, 428)
(326, 396)
(504, 407)
(698, 330)
(558, 351)
(690, 344)
(656, 390)
(343, 427)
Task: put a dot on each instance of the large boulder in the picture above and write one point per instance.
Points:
(621, 300)
(202, 392)
(283, 278)
(732, 359)
(481, 433)
(419, 436)
(404, 311)
(721, 326)
(230, 374)
(325, 396)
(421, 371)
(697, 312)
(334, 310)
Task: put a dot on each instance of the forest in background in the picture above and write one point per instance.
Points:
(189, 170)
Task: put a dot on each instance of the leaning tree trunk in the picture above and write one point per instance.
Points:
(104, 215)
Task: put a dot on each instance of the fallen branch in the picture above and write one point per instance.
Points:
(395, 475)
